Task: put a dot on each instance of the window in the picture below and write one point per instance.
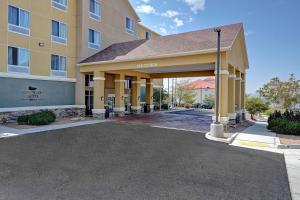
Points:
(94, 39)
(18, 60)
(59, 32)
(18, 20)
(58, 66)
(129, 26)
(60, 4)
(148, 35)
(95, 10)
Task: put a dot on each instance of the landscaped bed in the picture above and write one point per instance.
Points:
(286, 125)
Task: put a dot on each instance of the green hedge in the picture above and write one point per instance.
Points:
(287, 123)
(37, 119)
(285, 126)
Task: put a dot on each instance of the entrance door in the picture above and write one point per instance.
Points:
(111, 101)
(89, 94)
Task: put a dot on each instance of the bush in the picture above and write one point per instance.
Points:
(284, 126)
(23, 120)
(38, 119)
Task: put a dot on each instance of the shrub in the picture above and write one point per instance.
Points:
(40, 118)
(284, 126)
(23, 120)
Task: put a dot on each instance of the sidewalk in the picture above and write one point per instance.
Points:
(10, 132)
(258, 137)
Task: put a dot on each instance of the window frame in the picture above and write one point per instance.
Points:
(11, 68)
(12, 26)
(59, 72)
(92, 15)
(58, 39)
(94, 45)
(131, 30)
(60, 6)
(149, 35)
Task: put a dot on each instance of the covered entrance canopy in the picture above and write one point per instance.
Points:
(190, 54)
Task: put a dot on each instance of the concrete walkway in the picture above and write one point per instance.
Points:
(11, 132)
(258, 137)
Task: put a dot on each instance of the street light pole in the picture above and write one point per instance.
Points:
(218, 30)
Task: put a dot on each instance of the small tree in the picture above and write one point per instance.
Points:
(184, 94)
(210, 99)
(255, 106)
(156, 96)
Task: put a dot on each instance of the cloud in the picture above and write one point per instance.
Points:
(147, 9)
(170, 13)
(146, 1)
(178, 22)
(249, 32)
(163, 30)
(195, 5)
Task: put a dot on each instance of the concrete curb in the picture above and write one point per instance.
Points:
(288, 146)
(224, 140)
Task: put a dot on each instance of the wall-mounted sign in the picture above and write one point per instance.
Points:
(147, 65)
(32, 94)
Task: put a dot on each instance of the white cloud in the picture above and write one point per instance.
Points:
(178, 22)
(170, 13)
(196, 5)
(147, 9)
(146, 1)
(163, 30)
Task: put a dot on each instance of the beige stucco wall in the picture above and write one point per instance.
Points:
(41, 14)
(142, 32)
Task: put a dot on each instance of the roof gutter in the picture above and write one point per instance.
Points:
(190, 53)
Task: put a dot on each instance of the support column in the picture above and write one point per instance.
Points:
(99, 82)
(136, 95)
(223, 104)
(149, 94)
(243, 93)
(238, 95)
(231, 96)
(119, 110)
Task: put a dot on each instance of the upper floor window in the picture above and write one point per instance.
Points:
(95, 10)
(94, 39)
(58, 66)
(18, 20)
(18, 60)
(148, 35)
(60, 4)
(130, 28)
(59, 32)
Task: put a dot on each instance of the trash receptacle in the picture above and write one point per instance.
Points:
(107, 112)
(146, 108)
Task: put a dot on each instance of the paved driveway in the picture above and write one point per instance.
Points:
(186, 119)
(135, 162)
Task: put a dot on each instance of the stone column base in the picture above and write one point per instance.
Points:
(119, 112)
(151, 108)
(223, 120)
(217, 130)
(99, 113)
(232, 118)
(136, 109)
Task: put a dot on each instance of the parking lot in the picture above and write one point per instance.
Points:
(117, 160)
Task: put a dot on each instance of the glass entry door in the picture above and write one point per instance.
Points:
(89, 94)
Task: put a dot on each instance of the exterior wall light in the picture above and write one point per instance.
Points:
(41, 44)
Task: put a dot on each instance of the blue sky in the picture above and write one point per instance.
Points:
(272, 29)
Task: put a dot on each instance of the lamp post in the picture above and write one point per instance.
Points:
(218, 31)
(217, 128)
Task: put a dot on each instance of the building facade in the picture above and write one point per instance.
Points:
(203, 88)
(42, 41)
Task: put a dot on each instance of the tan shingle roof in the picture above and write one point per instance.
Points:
(165, 45)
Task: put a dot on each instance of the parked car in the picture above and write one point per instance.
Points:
(196, 105)
(207, 105)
